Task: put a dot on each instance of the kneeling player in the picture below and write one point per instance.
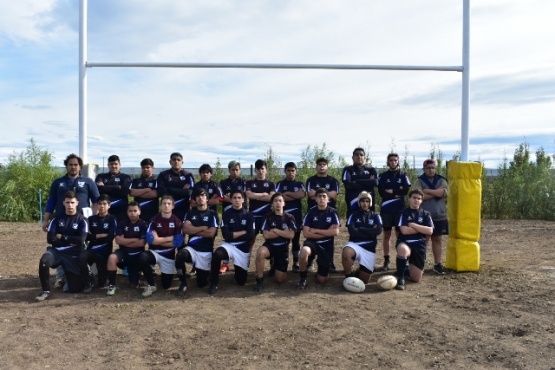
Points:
(102, 230)
(237, 230)
(201, 224)
(163, 237)
(278, 229)
(415, 224)
(131, 238)
(320, 226)
(364, 226)
(66, 235)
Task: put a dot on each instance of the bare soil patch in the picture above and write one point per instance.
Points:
(500, 317)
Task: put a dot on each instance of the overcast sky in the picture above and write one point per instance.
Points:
(237, 114)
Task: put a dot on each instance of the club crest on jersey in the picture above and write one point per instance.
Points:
(266, 185)
(106, 225)
(74, 226)
(371, 222)
(283, 226)
(62, 185)
(243, 222)
(328, 219)
(116, 179)
(136, 228)
(172, 225)
(181, 177)
(205, 218)
(80, 183)
(420, 219)
(150, 184)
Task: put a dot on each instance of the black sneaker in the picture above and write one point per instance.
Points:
(43, 296)
(400, 284)
(296, 269)
(88, 289)
(385, 266)
(438, 269)
(181, 290)
(213, 289)
(259, 285)
(301, 284)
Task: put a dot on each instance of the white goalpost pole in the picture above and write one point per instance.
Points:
(465, 81)
(83, 129)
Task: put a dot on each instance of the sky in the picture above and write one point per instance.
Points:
(238, 114)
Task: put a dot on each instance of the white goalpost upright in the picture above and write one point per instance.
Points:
(84, 64)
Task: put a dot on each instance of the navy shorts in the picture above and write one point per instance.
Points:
(324, 253)
(280, 256)
(441, 228)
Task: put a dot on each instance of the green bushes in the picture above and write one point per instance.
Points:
(21, 178)
(522, 189)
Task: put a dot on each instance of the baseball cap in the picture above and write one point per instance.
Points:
(428, 162)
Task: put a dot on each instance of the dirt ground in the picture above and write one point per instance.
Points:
(500, 317)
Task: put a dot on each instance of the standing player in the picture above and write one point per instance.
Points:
(201, 224)
(102, 231)
(233, 182)
(364, 226)
(178, 183)
(237, 230)
(145, 190)
(278, 229)
(320, 226)
(131, 238)
(66, 235)
(393, 186)
(435, 189)
(163, 237)
(293, 192)
(357, 178)
(84, 188)
(415, 225)
(215, 195)
(259, 193)
(116, 185)
(322, 180)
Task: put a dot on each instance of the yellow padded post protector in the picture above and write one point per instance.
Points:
(464, 203)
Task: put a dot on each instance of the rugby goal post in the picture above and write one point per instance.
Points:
(84, 64)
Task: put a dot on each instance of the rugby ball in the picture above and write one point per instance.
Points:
(386, 282)
(354, 285)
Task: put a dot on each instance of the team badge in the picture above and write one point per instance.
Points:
(205, 218)
(420, 219)
(172, 225)
(81, 183)
(116, 179)
(106, 225)
(328, 219)
(243, 222)
(136, 228)
(74, 226)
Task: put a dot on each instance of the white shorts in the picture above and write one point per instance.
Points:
(364, 257)
(201, 260)
(239, 257)
(167, 266)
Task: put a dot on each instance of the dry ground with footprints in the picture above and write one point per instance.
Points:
(500, 317)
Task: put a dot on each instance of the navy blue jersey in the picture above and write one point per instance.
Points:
(399, 182)
(149, 206)
(327, 182)
(130, 230)
(238, 220)
(85, 190)
(213, 190)
(259, 208)
(173, 184)
(323, 220)
(73, 230)
(171, 226)
(228, 185)
(281, 222)
(102, 225)
(364, 227)
(420, 217)
(356, 179)
(201, 218)
(117, 188)
(293, 207)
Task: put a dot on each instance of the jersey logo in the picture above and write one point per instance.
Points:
(327, 186)
(74, 226)
(158, 225)
(172, 225)
(371, 222)
(266, 185)
(182, 177)
(284, 226)
(420, 219)
(194, 218)
(232, 221)
(116, 179)
(80, 183)
(328, 219)
(61, 223)
(149, 184)
(205, 218)
(315, 218)
(62, 185)
(243, 222)
(136, 228)
(106, 225)
(94, 224)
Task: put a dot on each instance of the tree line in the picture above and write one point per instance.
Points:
(524, 187)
